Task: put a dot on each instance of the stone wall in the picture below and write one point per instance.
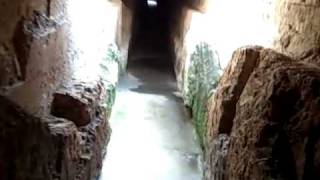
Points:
(262, 118)
(298, 25)
(180, 47)
(223, 28)
(54, 103)
(68, 144)
(124, 27)
(263, 121)
(33, 47)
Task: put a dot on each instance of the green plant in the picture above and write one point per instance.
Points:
(114, 54)
(110, 67)
(203, 75)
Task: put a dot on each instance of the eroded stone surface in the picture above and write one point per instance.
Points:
(275, 128)
(77, 103)
(50, 147)
(33, 52)
(222, 106)
(38, 48)
(312, 56)
(298, 26)
(215, 158)
(10, 73)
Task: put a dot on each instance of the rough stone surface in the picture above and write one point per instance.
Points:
(69, 107)
(312, 56)
(41, 49)
(28, 151)
(222, 106)
(278, 139)
(274, 129)
(123, 35)
(77, 103)
(50, 147)
(298, 23)
(33, 55)
(10, 73)
(215, 165)
(180, 48)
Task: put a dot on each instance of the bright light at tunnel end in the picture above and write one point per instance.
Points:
(152, 3)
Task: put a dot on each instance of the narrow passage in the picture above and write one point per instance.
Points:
(152, 136)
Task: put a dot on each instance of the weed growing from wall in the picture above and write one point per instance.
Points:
(111, 67)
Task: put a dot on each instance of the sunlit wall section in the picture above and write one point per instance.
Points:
(213, 35)
(92, 31)
(228, 24)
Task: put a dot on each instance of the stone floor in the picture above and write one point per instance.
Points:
(152, 136)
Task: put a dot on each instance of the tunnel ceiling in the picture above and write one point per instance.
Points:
(192, 4)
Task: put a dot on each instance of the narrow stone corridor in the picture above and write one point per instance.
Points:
(160, 90)
(152, 135)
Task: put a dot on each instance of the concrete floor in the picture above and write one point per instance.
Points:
(152, 137)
